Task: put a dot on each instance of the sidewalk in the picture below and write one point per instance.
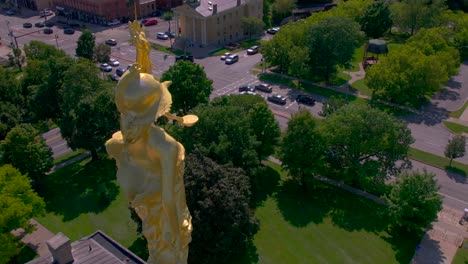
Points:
(36, 239)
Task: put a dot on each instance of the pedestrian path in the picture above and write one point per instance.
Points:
(36, 239)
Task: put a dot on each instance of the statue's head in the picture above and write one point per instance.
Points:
(141, 99)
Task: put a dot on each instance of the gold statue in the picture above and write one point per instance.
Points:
(150, 162)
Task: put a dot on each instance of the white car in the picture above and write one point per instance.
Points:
(105, 67)
(248, 92)
(113, 22)
(225, 55)
(162, 35)
(113, 62)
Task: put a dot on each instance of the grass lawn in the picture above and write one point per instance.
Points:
(68, 156)
(455, 128)
(438, 161)
(462, 254)
(457, 113)
(323, 224)
(84, 197)
(361, 86)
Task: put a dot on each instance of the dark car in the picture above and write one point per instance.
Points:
(74, 25)
(39, 24)
(111, 42)
(10, 12)
(120, 71)
(27, 25)
(264, 88)
(48, 31)
(184, 57)
(273, 31)
(49, 24)
(253, 50)
(170, 34)
(305, 99)
(69, 31)
(277, 99)
(115, 78)
(247, 88)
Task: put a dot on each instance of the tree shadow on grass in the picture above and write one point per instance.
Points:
(140, 247)
(82, 187)
(404, 243)
(248, 256)
(25, 254)
(264, 183)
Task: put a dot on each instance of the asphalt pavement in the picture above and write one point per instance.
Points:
(55, 141)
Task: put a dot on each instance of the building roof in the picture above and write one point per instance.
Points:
(97, 248)
(203, 6)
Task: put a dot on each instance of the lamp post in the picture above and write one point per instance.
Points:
(56, 40)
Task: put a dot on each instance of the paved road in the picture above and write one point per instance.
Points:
(56, 142)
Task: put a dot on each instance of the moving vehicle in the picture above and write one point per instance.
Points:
(46, 13)
(105, 67)
(162, 35)
(253, 50)
(225, 55)
(273, 31)
(277, 99)
(113, 62)
(113, 23)
(247, 88)
(232, 59)
(111, 42)
(305, 99)
(264, 88)
(149, 22)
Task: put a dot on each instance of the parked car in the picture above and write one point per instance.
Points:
(253, 50)
(10, 12)
(149, 22)
(264, 88)
(162, 36)
(232, 59)
(74, 25)
(27, 25)
(69, 31)
(46, 13)
(277, 99)
(120, 71)
(113, 23)
(113, 62)
(39, 24)
(49, 23)
(170, 34)
(225, 55)
(48, 31)
(249, 92)
(115, 78)
(305, 99)
(111, 42)
(247, 88)
(105, 67)
(273, 31)
(184, 57)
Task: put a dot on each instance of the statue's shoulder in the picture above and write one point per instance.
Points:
(115, 144)
(159, 137)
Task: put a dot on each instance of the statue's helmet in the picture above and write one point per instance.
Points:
(142, 95)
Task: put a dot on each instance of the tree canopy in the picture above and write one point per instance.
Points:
(413, 202)
(190, 86)
(85, 45)
(376, 19)
(252, 26)
(11, 101)
(27, 151)
(411, 15)
(455, 148)
(102, 52)
(38, 50)
(19, 203)
(218, 197)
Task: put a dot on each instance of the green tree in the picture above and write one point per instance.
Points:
(19, 203)
(332, 104)
(252, 26)
(102, 52)
(365, 144)
(88, 108)
(281, 9)
(11, 101)
(407, 76)
(455, 148)
(16, 58)
(411, 15)
(413, 202)
(332, 42)
(10, 116)
(376, 20)
(190, 86)
(27, 151)
(218, 197)
(302, 147)
(85, 45)
(265, 128)
(37, 50)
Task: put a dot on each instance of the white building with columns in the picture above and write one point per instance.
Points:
(214, 22)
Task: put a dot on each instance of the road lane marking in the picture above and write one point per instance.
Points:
(290, 105)
(52, 138)
(432, 143)
(453, 198)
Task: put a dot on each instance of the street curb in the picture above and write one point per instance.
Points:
(430, 165)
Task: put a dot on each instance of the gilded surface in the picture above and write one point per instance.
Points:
(150, 162)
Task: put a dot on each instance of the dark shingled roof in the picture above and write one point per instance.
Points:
(377, 46)
(97, 248)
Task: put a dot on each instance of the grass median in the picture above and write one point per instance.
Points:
(438, 161)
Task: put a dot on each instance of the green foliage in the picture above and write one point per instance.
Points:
(85, 45)
(38, 50)
(167, 16)
(190, 86)
(88, 108)
(407, 76)
(27, 151)
(376, 20)
(455, 148)
(365, 144)
(265, 128)
(330, 105)
(280, 9)
(11, 101)
(19, 203)
(252, 26)
(411, 15)
(414, 202)
(331, 43)
(302, 147)
(102, 52)
(218, 197)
